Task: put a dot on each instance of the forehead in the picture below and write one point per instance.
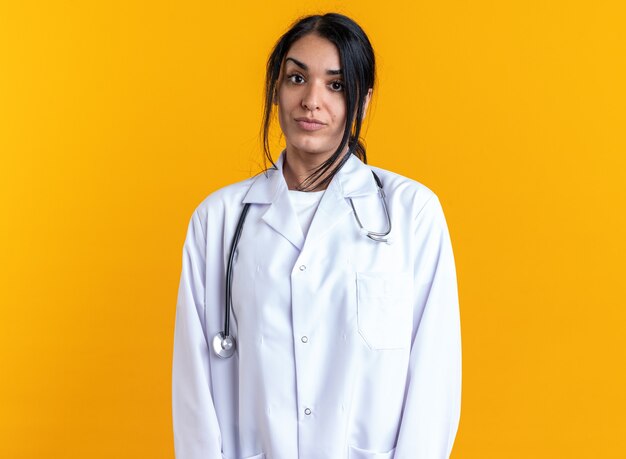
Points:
(315, 52)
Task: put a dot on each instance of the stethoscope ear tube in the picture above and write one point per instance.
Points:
(374, 235)
(223, 344)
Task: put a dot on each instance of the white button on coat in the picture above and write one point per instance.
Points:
(383, 373)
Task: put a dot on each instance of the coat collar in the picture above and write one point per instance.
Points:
(352, 180)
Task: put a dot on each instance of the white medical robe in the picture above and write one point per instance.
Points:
(346, 347)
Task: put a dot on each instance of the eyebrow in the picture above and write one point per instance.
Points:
(303, 66)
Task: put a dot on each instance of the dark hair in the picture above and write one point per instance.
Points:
(359, 72)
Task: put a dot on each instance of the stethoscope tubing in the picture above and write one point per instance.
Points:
(229, 270)
(223, 343)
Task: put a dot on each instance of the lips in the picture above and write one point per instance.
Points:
(310, 124)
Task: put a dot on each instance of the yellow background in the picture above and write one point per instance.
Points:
(118, 117)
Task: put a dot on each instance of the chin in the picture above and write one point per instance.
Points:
(315, 147)
(316, 151)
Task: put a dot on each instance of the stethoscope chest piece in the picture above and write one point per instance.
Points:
(223, 346)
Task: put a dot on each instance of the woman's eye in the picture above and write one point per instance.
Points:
(296, 79)
(336, 86)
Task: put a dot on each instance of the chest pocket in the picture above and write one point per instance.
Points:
(384, 312)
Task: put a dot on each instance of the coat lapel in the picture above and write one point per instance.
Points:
(352, 180)
(271, 188)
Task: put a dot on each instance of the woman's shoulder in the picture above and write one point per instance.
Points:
(405, 189)
(413, 203)
(226, 197)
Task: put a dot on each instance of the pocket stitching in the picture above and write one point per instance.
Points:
(399, 315)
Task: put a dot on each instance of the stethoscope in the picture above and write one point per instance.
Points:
(224, 344)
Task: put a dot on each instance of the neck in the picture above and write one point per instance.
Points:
(297, 166)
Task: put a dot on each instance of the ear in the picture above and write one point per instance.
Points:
(367, 101)
(277, 84)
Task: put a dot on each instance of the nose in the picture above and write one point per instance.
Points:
(310, 99)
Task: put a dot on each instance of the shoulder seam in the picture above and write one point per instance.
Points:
(430, 198)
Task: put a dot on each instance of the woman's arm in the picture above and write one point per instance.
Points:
(433, 400)
(196, 430)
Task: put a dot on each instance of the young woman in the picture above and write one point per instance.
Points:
(317, 312)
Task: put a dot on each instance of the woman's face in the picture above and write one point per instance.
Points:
(311, 103)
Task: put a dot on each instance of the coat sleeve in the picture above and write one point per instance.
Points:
(196, 429)
(433, 400)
